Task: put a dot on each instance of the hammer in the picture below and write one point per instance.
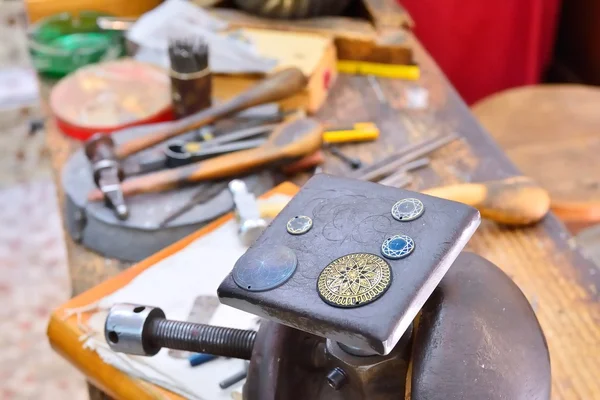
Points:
(104, 156)
(107, 172)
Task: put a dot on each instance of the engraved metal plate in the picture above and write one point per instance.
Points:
(354, 280)
(407, 209)
(299, 224)
(265, 268)
(398, 246)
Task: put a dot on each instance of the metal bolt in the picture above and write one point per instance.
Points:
(143, 330)
(336, 378)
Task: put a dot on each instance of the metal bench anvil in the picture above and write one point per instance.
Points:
(356, 281)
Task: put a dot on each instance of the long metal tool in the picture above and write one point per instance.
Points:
(206, 191)
(394, 156)
(401, 177)
(276, 87)
(418, 152)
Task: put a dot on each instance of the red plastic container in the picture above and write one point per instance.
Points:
(110, 96)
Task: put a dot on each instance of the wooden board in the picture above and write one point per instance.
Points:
(355, 39)
(64, 332)
(561, 284)
(314, 54)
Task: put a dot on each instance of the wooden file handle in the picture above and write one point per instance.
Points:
(290, 140)
(278, 86)
(514, 201)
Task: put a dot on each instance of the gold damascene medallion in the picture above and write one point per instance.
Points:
(354, 280)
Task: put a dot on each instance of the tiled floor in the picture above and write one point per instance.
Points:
(33, 280)
(33, 269)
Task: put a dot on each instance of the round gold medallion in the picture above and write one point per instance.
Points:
(354, 280)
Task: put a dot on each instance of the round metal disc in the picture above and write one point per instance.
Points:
(299, 224)
(264, 268)
(398, 246)
(408, 209)
(354, 280)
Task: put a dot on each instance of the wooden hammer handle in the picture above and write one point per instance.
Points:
(514, 201)
(290, 140)
(276, 87)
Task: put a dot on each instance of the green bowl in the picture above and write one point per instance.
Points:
(64, 42)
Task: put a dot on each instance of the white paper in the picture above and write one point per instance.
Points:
(179, 18)
(173, 284)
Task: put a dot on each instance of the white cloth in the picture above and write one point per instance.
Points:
(180, 18)
(173, 285)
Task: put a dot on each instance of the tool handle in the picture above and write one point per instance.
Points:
(291, 140)
(273, 88)
(514, 201)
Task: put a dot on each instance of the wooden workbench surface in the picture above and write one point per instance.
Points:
(561, 285)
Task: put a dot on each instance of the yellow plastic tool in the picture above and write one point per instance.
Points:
(359, 132)
(408, 72)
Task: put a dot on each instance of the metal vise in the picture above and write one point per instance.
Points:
(356, 281)
(107, 172)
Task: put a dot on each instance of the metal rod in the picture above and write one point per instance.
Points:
(377, 89)
(399, 180)
(394, 156)
(378, 173)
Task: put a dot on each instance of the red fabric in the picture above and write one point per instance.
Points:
(486, 46)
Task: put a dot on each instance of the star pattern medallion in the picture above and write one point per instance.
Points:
(354, 280)
(407, 209)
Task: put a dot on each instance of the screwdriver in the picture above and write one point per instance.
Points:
(354, 163)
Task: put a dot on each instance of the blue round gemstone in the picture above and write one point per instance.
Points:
(397, 246)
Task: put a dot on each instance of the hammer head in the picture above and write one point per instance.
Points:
(107, 172)
(360, 270)
(100, 145)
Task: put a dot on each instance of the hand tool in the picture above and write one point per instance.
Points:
(182, 153)
(359, 132)
(178, 153)
(291, 140)
(107, 172)
(352, 162)
(305, 163)
(398, 154)
(205, 192)
(191, 79)
(247, 212)
(397, 180)
(276, 87)
(515, 201)
(416, 152)
(395, 71)
(400, 178)
(339, 318)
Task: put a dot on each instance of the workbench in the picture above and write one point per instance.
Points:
(561, 285)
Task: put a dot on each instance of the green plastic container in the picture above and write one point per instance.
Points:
(62, 43)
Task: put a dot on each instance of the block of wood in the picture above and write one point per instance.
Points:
(313, 53)
(355, 39)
